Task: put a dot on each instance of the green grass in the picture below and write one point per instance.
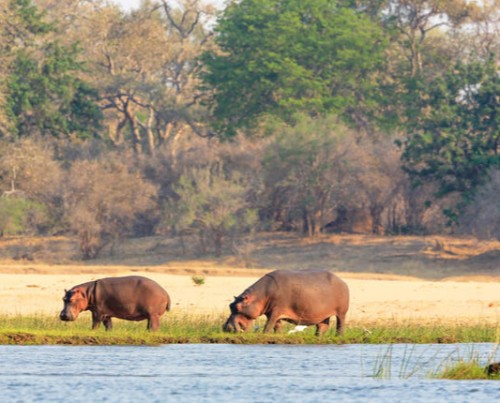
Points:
(463, 370)
(467, 368)
(454, 367)
(178, 328)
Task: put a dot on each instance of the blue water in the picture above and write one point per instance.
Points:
(240, 373)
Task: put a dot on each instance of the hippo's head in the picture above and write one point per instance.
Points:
(237, 323)
(75, 301)
(243, 312)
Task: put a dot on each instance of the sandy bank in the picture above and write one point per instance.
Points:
(371, 298)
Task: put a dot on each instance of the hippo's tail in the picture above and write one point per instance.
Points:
(168, 305)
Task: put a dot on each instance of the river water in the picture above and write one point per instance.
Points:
(240, 373)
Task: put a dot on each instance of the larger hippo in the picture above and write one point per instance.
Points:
(304, 297)
(131, 298)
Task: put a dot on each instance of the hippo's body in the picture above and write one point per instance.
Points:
(130, 298)
(305, 297)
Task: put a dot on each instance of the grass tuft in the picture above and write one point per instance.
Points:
(463, 370)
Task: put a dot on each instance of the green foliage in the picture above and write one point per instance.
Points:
(214, 203)
(198, 279)
(20, 216)
(463, 370)
(46, 97)
(28, 21)
(300, 55)
(103, 200)
(302, 167)
(455, 128)
(43, 92)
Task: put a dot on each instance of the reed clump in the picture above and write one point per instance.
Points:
(464, 370)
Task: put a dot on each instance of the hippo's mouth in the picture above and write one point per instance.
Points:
(66, 318)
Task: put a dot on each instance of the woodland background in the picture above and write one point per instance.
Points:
(305, 116)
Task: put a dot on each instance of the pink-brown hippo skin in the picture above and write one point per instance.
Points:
(302, 297)
(130, 298)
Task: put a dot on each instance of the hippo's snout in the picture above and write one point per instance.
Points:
(237, 323)
(66, 317)
(231, 326)
(228, 327)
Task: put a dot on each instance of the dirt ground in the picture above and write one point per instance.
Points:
(427, 280)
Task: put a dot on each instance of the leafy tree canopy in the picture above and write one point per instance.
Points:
(280, 57)
(455, 138)
(43, 92)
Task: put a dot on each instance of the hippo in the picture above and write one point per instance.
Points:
(303, 297)
(130, 298)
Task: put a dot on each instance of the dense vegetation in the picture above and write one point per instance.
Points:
(305, 115)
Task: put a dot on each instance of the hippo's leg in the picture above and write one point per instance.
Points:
(277, 326)
(108, 325)
(153, 322)
(340, 324)
(96, 320)
(272, 323)
(322, 327)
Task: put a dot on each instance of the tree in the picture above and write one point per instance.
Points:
(214, 204)
(280, 57)
(43, 94)
(103, 200)
(144, 64)
(20, 22)
(455, 140)
(427, 37)
(31, 179)
(45, 97)
(21, 216)
(416, 19)
(307, 174)
(481, 217)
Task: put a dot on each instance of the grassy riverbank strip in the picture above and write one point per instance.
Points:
(39, 330)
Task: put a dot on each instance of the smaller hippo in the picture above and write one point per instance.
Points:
(130, 298)
(302, 297)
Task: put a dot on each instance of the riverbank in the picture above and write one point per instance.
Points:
(206, 329)
(402, 283)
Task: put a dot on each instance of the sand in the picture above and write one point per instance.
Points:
(372, 299)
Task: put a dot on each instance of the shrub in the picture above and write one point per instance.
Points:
(482, 215)
(213, 204)
(103, 201)
(198, 279)
(20, 216)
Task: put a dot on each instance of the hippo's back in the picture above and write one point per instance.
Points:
(133, 290)
(310, 290)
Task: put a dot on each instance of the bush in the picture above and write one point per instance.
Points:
(482, 215)
(212, 204)
(198, 279)
(103, 202)
(20, 216)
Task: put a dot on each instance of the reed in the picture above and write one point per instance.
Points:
(455, 366)
(184, 328)
(468, 368)
(463, 370)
